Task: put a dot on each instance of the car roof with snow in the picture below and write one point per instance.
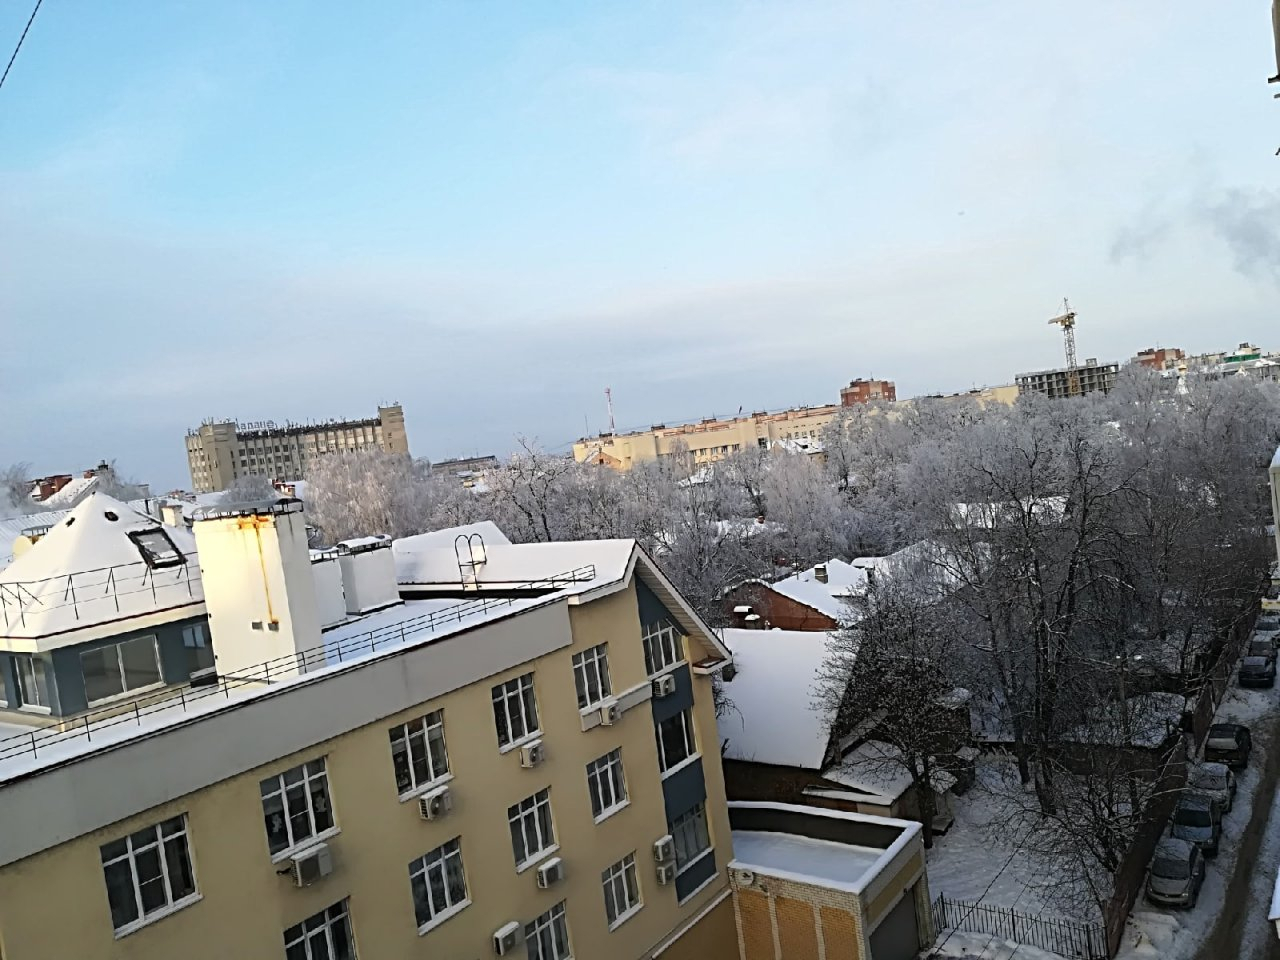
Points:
(1225, 729)
(1252, 661)
(1210, 769)
(1195, 801)
(1173, 848)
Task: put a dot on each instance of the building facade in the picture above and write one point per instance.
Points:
(865, 391)
(708, 440)
(221, 452)
(533, 772)
(1091, 377)
(1159, 358)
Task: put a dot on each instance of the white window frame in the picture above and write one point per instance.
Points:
(158, 842)
(125, 692)
(433, 721)
(609, 778)
(441, 860)
(690, 739)
(29, 660)
(281, 790)
(524, 816)
(592, 665)
(685, 828)
(513, 692)
(324, 921)
(555, 926)
(663, 648)
(622, 896)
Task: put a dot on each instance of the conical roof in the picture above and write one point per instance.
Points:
(104, 563)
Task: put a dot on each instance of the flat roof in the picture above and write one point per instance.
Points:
(787, 855)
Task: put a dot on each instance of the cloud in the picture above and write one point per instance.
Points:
(1248, 221)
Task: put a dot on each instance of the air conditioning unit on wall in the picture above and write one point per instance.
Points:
(434, 805)
(550, 872)
(664, 685)
(314, 863)
(532, 754)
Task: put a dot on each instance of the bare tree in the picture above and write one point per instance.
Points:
(15, 490)
(247, 489)
(357, 493)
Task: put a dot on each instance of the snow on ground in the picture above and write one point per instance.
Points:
(1155, 932)
(964, 862)
(979, 946)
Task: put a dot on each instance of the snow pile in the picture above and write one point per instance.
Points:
(980, 946)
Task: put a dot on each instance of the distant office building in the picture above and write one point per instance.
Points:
(708, 440)
(1092, 377)
(1159, 358)
(466, 471)
(865, 391)
(1005, 393)
(220, 452)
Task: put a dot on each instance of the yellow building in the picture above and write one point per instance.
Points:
(708, 440)
(534, 771)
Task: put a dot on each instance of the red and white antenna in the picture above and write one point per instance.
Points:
(608, 398)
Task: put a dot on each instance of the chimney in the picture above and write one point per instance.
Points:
(326, 572)
(171, 515)
(258, 586)
(820, 573)
(368, 573)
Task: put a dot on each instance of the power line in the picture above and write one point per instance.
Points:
(30, 20)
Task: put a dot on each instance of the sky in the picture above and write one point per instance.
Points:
(491, 211)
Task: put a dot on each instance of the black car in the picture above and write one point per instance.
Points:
(1257, 672)
(1228, 743)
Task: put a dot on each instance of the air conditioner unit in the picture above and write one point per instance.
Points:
(532, 754)
(664, 685)
(609, 713)
(666, 873)
(434, 805)
(506, 937)
(314, 863)
(664, 849)
(550, 872)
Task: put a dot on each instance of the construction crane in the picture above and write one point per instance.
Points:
(1068, 323)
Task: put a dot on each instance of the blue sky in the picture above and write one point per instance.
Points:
(490, 211)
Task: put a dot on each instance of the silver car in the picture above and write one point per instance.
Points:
(1176, 874)
(1215, 781)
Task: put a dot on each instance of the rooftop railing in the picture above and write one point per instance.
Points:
(184, 699)
(91, 595)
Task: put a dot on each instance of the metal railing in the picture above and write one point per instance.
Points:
(86, 592)
(1069, 938)
(85, 726)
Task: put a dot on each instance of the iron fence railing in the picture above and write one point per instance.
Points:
(186, 698)
(91, 593)
(1068, 938)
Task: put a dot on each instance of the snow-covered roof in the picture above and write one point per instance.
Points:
(87, 577)
(774, 718)
(1275, 460)
(843, 580)
(519, 563)
(71, 493)
(876, 769)
(444, 539)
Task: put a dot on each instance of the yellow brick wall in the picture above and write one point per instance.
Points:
(755, 925)
(797, 930)
(840, 933)
(714, 937)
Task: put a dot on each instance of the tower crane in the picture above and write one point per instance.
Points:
(1068, 323)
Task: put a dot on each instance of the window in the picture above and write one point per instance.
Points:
(195, 640)
(156, 548)
(606, 785)
(547, 938)
(621, 890)
(418, 753)
(689, 831)
(147, 873)
(532, 832)
(662, 647)
(295, 805)
(324, 936)
(438, 883)
(675, 740)
(515, 712)
(120, 667)
(33, 683)
(591, 675)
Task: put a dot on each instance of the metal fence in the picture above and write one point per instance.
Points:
(85, 726)
(1069, 938)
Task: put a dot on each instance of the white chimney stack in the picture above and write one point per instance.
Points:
(259, 591)
(368, 573)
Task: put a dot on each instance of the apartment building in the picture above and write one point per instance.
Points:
(523, 761)
(708, 440)
(1159, 358)
(866, 391)
(1091, 377)
(220, 452)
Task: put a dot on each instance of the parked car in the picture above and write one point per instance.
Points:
(1257, 672)
(1269, 621)
(1197, 820)
(1176, 874)
(1215, 781)
(1262, 647)
(1228, 743)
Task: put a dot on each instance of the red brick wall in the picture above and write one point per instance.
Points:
(774, 609)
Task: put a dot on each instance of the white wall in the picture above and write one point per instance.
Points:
(369, 579)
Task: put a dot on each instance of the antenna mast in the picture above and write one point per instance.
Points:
(608, 398)
(1068, 323)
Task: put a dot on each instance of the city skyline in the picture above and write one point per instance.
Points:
(229, 210)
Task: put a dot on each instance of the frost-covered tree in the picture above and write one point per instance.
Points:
(15, 490)
(358, 493)
(247, 489)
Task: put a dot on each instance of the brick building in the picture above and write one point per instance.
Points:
(865, 391)
(1159, 358)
